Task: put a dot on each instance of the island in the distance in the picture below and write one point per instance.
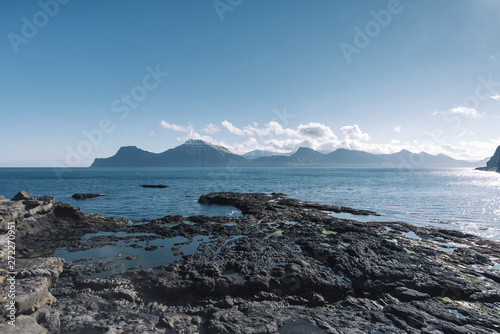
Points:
(197, 153)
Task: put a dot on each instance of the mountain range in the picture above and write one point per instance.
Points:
(197, 153)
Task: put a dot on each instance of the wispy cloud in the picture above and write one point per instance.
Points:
(466, 112)
(397, 128)
(210, 129)
(495, 97)
(234, 130)
(175, 127)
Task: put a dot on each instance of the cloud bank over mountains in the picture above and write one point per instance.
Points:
(272, 136)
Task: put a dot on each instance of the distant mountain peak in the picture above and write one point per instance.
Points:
(200, 143)
(129, 149)
(195, 142)
(305, 149)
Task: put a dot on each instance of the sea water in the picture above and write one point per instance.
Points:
(460, 199)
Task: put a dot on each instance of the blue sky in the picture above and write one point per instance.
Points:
(82, 78)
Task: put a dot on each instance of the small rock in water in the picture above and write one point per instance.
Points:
(154, 186)
(85, 196)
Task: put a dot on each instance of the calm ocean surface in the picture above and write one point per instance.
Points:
(460, 199)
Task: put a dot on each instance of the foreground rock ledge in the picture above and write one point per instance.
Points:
(285, 266)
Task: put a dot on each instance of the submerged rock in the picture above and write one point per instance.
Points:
(85, 196)
(154, 186)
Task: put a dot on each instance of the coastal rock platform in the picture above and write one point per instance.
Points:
(284, 266)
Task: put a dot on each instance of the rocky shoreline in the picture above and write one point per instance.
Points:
(285, 266)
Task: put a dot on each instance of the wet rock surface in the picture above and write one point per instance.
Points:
(85, 196)
(41, 223)
(285, 266)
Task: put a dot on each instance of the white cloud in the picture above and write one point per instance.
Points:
(276, 129)
(175, 127)
(466, 112)
(210, 129)
(195, 135)
(150, 133)
(495, 97)
(234, 130)
(397, 128)
(316, 130)
(353, 132)
(272, 136)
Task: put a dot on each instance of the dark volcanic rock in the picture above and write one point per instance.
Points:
(256, 204)
(41, 224)
(286, 266)
(154, 186)
(22, 195)
(85, 196)
(32, 281)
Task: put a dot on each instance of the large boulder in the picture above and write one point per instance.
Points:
(22, 195)
(23, 206)
(23, 324)
(33, 280)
